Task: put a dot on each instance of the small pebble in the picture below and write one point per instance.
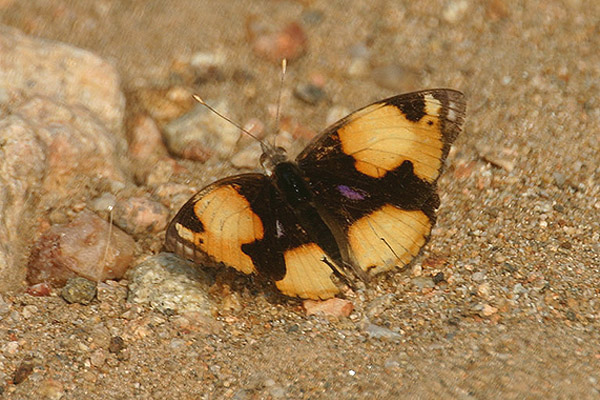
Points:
(103, 204)
(256, 127)
(208, 66)
(231, 303)
(295, 129)
(438, 278)
(277, 392)
(161, 106)
(176, 343)
(39, 289)
(289, 43)
(10, 348)
(22, 372)
(309, 93)
(359, 50)
(29, 311)
(116, 344)
(380, 332)
(422, 282)
(133, 312)
(79, 290)
(333, 307)
(488, 310)
(16, 316)
(483, 290)
(197, 323)
(97, 358)
(312, 17)
(396, 77)
(455, 10)
(499, 162)
(335, 114)
(146, 141)
(359, 65)
(162, 171)
(242, 394)
(88, 246)
(417, 270)
(51, 389)
(99, 336)
(248, 157)
(140, 215)
(566, 245)
(358, 68)
(169, 283)
(478, 276)
(519, 289)
(111, 292)
(497, 9)
(199, 133)
(391, 363)
(4, 306)
(559, 179)
(377, 306)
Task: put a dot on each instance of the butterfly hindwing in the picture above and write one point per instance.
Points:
(374, 174)
(244, 223)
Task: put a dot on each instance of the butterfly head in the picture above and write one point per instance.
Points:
(271, 156)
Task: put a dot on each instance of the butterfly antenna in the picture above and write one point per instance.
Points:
(277, 116)
(201, 101)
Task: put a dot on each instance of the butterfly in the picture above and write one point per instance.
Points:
(359, 200)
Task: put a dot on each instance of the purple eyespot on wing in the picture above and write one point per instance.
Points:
(350, 193)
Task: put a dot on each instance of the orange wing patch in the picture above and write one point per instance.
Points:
(307, 275)
(380, 138)
(228, 224)
(387, 238)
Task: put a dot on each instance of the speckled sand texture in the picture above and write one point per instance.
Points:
(502, 303)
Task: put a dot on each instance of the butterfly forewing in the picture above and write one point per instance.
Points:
(374, 173)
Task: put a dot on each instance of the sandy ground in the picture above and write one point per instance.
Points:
(517, 233)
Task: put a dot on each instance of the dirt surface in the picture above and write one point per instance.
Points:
(517, 239)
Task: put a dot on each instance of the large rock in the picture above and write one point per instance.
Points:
(61, 140)
(65, 73)
(76, 144)
(22, 170)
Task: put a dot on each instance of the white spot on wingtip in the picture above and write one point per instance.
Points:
(451, 114)
(432, 105)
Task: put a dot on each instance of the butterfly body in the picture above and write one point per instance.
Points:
(359, 200)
